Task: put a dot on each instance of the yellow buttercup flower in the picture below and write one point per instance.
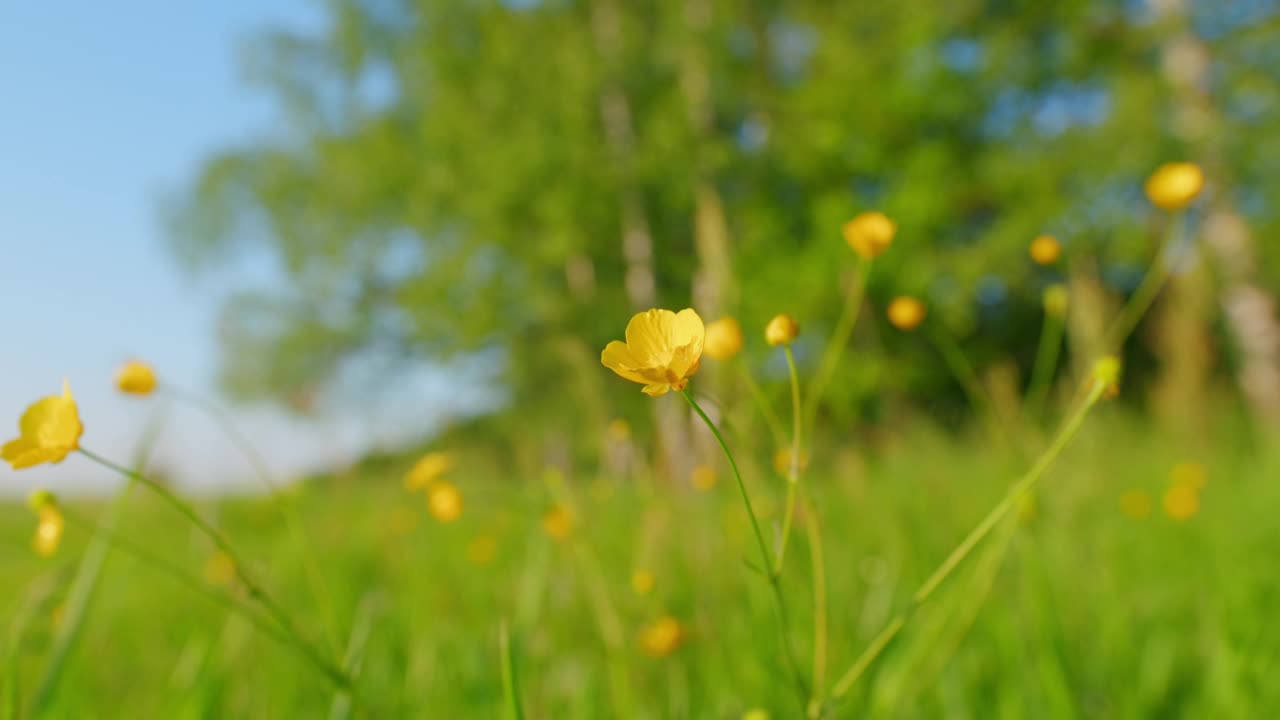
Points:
(1107, 373)
(49, 527)
(906, 313)
(1045, 250)
(136, 378)
(1190, 473)
(619, 430)
(1136, 504)
(558, 522)
(1181, 502)
(1174, 186)
(724, 339)
(662, 637)
(50, 430)
(428, 469)
(703, 478)
(870, 234)
(641, 581)
(782, 460)
(781, 330)
(220, 569)
(1055, 300)
(662, 351)
(444, 501)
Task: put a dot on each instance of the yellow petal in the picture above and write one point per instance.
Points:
(650, 337)
(656, 389)
(617, 356)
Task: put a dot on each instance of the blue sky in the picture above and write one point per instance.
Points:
(104, 108)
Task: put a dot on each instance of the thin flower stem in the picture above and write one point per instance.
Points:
(780, 604)
(89, 574)
(174, 571)
(762, 404)
(817, 560)
(1152, 283)
(839, 340)
(968, 379)
(793, 469)
(1046, 363)
(290, 513)
(975, 536)
(335, 674)
(510, 681)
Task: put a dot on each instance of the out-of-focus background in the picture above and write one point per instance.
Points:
(372, 228)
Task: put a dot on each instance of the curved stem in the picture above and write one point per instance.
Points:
(287, 510)
(1046, 362)
(793, 469)
(255, 590)
(983, 528)
(510, 682)
(839, 339)
(968, 379)
(762, 404)
(780, 604)
(817, 560)
(174, 571)
(1152, 283)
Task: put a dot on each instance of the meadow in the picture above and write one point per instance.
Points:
(1102, 596)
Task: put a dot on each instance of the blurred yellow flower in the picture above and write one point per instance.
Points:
(724, 339)
(50, 429)
(1106, 372)
(662, 351)
(220, 569)
(1181, 502)
(1045, 250)
(618, 430)
(906, 313)
(782, 460)
(1190, 473)
(428, 469)
(756, 714)
(781, 330)
(482, 550)
(1173, 186)
(49, 527)
(870, 234)
(136, 378)
(444, 501)
(641, 581)
(703, 478)
(662, 637)
(1055, 300)
(558, 522)
(1136, 504)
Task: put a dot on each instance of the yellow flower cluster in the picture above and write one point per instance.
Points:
(444, 500)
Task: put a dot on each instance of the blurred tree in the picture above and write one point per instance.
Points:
(510, 178)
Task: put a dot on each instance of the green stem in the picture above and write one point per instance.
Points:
(1046, 363)
(88, 576)
(780, 604)
(793, 469)
(1152, 283)
(762, 404)
(881, 641)
(137, 552)
(964, 373)
(818, 563)
(839, 340)
(510, 681)
(290, 513)
(281, 617)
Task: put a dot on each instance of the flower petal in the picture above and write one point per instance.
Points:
(656, 389)
(650, 337)
(617, 356)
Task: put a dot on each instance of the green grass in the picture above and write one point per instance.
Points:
(1089, 613)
